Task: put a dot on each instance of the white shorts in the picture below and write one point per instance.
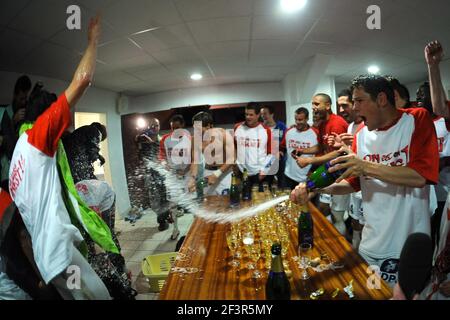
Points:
(386, 267)
(222, 187)
(356, 210)
(340, 202)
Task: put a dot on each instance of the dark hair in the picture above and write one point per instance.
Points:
(101, 128)
(38, 102)
(326, 97)
(204, 117)
(302, 110)
(253, 106)
(271, 108)
(23, 84)
(346, 93)
(402, 90)
(177, 118)
(374, 85)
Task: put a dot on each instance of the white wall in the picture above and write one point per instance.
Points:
(95, 100)
(236, 93)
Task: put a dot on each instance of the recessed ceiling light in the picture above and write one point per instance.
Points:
(141, 123)
(290, 6)
(196, 76)
(373, 69)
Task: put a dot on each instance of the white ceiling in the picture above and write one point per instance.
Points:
(229, 41)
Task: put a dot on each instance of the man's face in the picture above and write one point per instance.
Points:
(251, 117)
(154, 126)
(20, 100)
(345, 108)
(265, 114)
(301, 121)
(423, 98)
(320, 109)
(367, 109)
(174, 125)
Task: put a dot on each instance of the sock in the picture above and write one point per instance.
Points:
(339, 223)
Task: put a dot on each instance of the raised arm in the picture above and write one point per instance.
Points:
(433, 57)
(85, 71)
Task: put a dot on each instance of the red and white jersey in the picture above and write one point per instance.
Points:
(36, 189)
(392, 212)
(253, 148)
(292, 140)
(175, 148)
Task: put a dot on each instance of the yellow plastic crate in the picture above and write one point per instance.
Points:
(156, 268)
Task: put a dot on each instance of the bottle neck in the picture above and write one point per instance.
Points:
(277, 264)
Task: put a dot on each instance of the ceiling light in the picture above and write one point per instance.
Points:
(141, 123)
(373, 69)
(290, 6)
(196, 76)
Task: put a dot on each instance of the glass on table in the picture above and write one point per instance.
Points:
(304, 253)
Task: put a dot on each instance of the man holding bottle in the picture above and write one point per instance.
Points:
(394, 159)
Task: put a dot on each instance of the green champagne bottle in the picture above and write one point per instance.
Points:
(321, 178)
(235, 196)
(246, 188)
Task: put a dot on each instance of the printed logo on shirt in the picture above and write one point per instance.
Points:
(249, 143)
(389, 269)
(17, 175)
(294, 144)
(393, 159)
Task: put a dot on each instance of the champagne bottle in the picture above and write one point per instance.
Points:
(246, 188)
(235, 196)
(321, 178)
(305, 227)
(277, 285)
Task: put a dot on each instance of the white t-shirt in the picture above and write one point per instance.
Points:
(253, 148)
(175, 148)
(36, 189)
(392, 212)
(292, 140)
(443, 136)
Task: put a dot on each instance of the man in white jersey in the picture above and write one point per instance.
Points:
(253, 147)
(35, 185)
(295, 140)
(394, 159)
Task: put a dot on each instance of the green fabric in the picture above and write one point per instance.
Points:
(97, 229)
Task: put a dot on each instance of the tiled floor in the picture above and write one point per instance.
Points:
(142, 239)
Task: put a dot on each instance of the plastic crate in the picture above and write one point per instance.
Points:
(156, 268)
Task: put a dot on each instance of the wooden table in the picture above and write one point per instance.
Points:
(206, 249)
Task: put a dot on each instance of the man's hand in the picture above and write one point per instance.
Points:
(192, 185)
(397, 293)
(300, 194)
(353, 166)
(262, 176)
(94, 30)
(444, 289)
(302, 162)
(19, 116)
(346, 138)
(434, 53)
(212, 179)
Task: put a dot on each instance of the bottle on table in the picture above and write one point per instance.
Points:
(277, 285)
(246, 186)
(305, 227)
(235, 195)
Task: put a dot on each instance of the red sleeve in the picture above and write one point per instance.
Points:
(354, 181)
(162, 148)
(423, 153)
(339, 125)
(5, 201)
(50, 126)
(283, 141)
(269, 140)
